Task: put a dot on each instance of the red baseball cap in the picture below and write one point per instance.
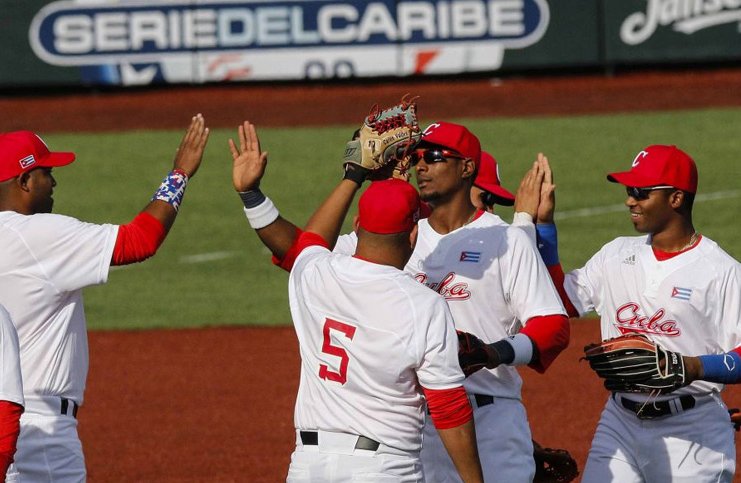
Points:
(488, 179)
(389, 206)
(659, 165)
(454, 137)
(22, 151)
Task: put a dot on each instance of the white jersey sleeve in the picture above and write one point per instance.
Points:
(527, 284)
(583, 285)
(730, 306)
(440, 368)
(11, 388)
(72, 253)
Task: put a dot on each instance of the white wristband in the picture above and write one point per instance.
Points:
(523, 348)
(522, 218)
(262, 215)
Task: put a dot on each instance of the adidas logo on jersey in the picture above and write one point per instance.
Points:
(631, 260)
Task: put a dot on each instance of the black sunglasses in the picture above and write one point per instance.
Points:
(431, 156)
(643, 193)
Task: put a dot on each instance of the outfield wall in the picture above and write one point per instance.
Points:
(140, 42)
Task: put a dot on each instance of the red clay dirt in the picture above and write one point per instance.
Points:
(216, 404)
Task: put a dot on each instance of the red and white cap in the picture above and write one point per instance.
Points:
(454, 137)
(389, 206)
(659, 165)
(22, 151)
(488, 179)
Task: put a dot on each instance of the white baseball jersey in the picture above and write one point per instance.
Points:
(689, 303)
(47, 260)
(369, 336)
(492, 277)
(11, 388)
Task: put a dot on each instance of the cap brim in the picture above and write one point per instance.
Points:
(56, 159)
(629, 178)
(505, 198)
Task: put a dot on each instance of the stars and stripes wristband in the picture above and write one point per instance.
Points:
(172, 189)
(258, 208)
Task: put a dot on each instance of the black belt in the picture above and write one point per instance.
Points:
(311, 438)
(483, 400)
(65, 407)
(657, 409)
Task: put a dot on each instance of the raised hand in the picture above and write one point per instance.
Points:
(547, 205)
(249, 161)
(527, 197)
(190, 152)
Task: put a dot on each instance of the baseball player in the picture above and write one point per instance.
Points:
(47, 260)
(11, 391)
(492, 277)
(372, 339)
(487, 191)
(679, 289)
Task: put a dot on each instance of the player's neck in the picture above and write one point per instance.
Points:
(674, 238)
(451, 215)
(381, 255)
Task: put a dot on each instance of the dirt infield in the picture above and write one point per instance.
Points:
(297, 105)
(216, 404)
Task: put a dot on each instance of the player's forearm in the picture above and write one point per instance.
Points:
(279, 236)
(460, 442)
(327, 219)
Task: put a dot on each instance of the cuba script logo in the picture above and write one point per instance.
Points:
(629, 319)
(447, 287)
(685, 16)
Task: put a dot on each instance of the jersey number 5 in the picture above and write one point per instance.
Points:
(333, 350)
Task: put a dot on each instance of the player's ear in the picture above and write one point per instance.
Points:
(468, 168)
(23, 181)
(356, 223)
(413, 236)
(676, 199)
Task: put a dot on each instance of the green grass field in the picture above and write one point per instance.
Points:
(212, 270)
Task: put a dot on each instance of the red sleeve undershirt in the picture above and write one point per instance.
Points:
(558, 277)
(304, 239)
(138, 240)
(449, 408)
(10, 415)
(550, 334)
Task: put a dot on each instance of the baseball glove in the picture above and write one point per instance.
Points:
(633, 363)
(553, 465)
(385, 137)
(474, 353)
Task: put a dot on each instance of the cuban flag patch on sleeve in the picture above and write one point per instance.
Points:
(470, 256)
(681, 293)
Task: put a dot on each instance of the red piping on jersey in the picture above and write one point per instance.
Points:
(662, 255)
(556, 272)
(10, 427)
(304, 239)
(449, 408)
(138, 240)
(550, 334)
